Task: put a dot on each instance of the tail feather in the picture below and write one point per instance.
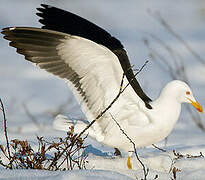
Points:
(63, 123)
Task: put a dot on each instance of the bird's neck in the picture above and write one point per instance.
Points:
(168, 109)
(163, 117)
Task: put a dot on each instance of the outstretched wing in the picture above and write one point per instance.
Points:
(62, 21)
(92, 70)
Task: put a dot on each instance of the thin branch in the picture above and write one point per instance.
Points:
(177, 71)
(145, 170)
(121, 90)
(33, 118)
(161, 60)
(163, 150)
(196, 118)
(138, 71)
(178, 37)
(5, 128)
(173, 54)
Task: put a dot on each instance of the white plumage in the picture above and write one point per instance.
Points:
(101, 75)
(92, 63)
(142, 125)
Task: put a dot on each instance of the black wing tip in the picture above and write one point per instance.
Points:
(41, 11)
(46, 6)
(42, 21)
(40, 14)
(43, 8)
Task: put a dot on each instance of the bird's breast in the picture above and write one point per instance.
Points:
(163, 120)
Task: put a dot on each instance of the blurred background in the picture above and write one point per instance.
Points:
(169, 34)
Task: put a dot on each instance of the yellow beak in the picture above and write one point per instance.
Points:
(196, 105)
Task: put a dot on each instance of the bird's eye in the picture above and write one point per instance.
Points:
(188, 93)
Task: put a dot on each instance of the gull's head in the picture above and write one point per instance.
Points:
(182, 92)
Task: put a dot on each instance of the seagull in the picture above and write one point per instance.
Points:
(93, 63)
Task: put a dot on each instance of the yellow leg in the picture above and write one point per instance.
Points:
(129, 165)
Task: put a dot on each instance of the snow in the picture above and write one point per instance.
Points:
(21, 83)
(71, 175)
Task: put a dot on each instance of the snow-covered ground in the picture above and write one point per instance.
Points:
(25, 87)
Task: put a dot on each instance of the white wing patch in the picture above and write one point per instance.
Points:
(92, 71)
(101, 75)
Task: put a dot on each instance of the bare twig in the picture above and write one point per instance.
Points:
(163, 150)
(176, 71)
(25, 157)
(196, 118)
(33, 119)
(121, 90)
(60, 109)
(145, 170)
(159, 18)
(5, 128)
(160, 60)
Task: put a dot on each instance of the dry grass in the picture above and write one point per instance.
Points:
(62, 154)
(46, 155)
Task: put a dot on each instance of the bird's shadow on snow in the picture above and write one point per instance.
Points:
(91, 150)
